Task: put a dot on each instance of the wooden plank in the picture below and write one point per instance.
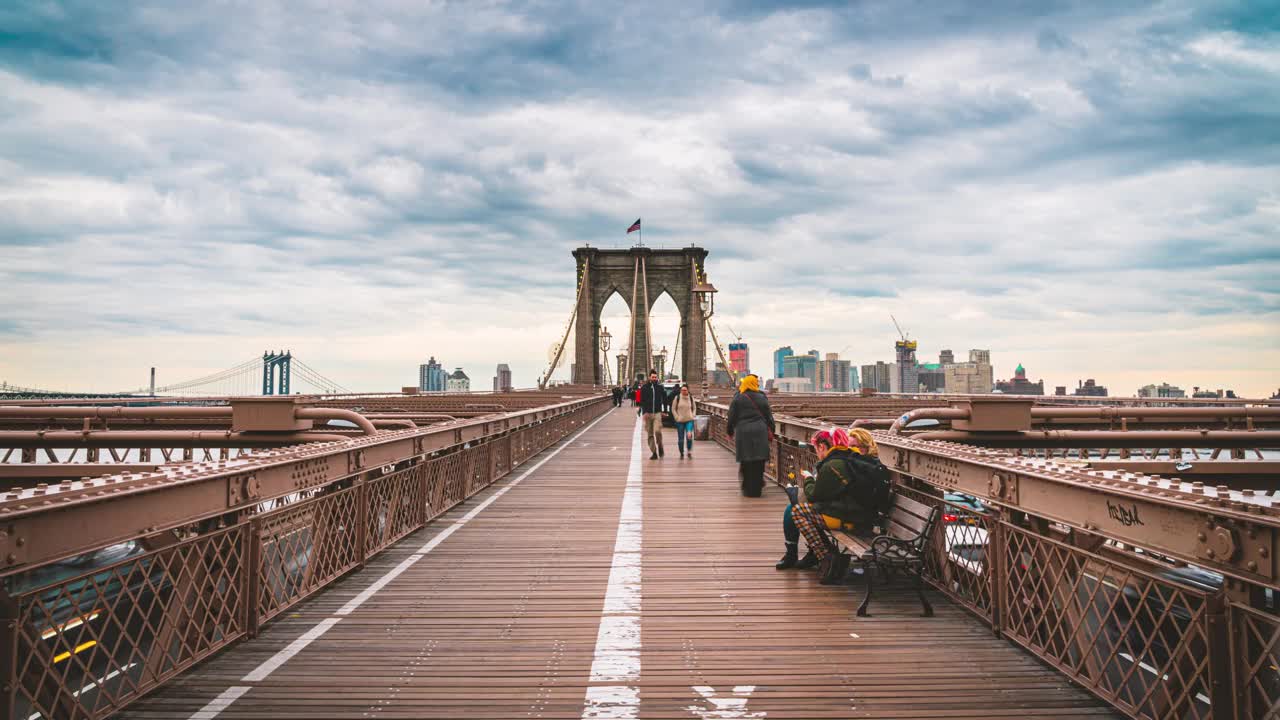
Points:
(911, 505)
(501, 619)
(905, 526)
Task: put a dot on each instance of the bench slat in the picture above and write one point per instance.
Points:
(853, 544)
(917, 525)
(915, 507)
(903, 532)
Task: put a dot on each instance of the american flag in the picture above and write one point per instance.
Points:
(634, 226)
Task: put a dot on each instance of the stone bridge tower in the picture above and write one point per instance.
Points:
(640, 275)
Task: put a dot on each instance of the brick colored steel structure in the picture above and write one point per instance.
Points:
(1086, 568)
(187, 558)
(123, 581)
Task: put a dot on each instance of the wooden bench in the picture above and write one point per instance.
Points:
(906, 530)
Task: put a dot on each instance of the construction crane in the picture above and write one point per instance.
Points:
(904, 342)
(899, 327)
(736, 335)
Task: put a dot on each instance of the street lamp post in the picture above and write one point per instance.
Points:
(660, 363)
(705, 293)
(605, 339)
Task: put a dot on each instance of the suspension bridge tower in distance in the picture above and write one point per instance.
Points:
(276, 369)
(640, 275)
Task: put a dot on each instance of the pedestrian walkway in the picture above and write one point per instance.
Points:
(598, 583)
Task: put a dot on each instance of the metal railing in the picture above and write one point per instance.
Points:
(1152, 636)
(84, 636)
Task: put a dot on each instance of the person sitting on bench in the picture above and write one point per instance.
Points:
(832, 504)
(864, 444)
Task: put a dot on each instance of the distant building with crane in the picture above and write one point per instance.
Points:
(739, 355)
(906, 375)
(739, 358)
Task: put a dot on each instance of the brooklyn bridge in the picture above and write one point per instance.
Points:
(263, 542)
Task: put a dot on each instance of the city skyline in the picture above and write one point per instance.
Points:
(1087, 190)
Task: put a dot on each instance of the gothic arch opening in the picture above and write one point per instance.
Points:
(615, 315)
(665, 319)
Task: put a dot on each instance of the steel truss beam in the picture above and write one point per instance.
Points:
(49, 522)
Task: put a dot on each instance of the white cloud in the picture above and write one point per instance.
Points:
(372, 183)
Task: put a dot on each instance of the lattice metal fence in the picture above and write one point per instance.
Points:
(1255, 645)
(88, 639)
(1135, 638)
(305, 546)
(89, 644)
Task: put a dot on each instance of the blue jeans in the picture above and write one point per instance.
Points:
(790, 533)
(684, 430)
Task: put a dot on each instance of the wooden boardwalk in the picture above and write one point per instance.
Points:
(495, 611)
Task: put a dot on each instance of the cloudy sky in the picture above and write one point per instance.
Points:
(1091, 189)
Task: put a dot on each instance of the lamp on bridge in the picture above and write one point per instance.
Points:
(705, 293)
(605, 339)
(660, 363)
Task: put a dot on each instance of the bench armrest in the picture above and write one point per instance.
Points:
(889, 547)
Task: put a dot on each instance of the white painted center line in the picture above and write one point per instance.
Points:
(260, 673)
(612, 691)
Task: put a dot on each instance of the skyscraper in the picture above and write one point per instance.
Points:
(739, 358)
(502, 381)
(946, 357)
(801, 366)
(432, 376)
(833, 374)
(778, 356)
(876, 377)
(907, 374)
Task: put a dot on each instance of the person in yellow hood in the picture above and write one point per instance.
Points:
(750, 425)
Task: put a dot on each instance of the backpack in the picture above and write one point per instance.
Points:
(868, 484)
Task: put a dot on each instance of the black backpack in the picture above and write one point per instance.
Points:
(869, 486)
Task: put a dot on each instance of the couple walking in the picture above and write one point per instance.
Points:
(653, 400)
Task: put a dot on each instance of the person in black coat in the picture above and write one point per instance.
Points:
(751, 427)
(652, 397)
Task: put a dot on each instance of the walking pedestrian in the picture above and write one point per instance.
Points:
(652, 395)
(750, 425)
(617, 395)
(683, 409)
